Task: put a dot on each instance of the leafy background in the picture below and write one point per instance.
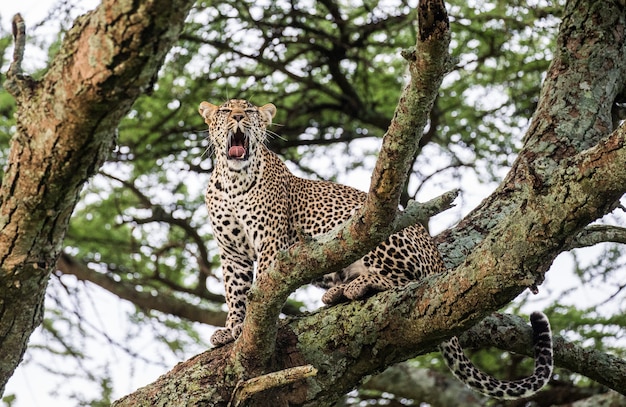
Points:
(145, 288)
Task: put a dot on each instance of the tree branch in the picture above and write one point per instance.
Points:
(610, 398)
(511, 333)
(249, 388)
(64, 131)
(158, 301)
(161, 215)
(19, 38)
(426, 385)
(595, 234)
(368, 340)
(421, 212)
(18, 84)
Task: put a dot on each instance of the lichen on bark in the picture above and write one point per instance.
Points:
(65, 129)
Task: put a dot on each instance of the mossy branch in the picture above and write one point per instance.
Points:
(512, 333)
(596, 234)
(249, 388)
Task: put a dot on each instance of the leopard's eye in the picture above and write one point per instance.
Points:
(224, 110)
(250, 111)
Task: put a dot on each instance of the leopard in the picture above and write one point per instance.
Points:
(257, 207)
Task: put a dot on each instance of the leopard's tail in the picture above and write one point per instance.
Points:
(469, 374)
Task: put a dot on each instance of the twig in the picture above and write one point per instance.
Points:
(19, 37)
(421, 212)
(594, 234)
(17, 83)
(248, 388)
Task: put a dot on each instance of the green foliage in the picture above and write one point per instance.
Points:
(104, 400)
(503, 49)
(585, 325)
(9, 400)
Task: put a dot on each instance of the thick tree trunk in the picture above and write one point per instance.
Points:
(569, 173)
(586, 76)
(65, 128)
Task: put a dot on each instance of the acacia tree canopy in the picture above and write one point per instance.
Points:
(116, 105)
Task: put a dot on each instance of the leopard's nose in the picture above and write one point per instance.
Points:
(238, 117)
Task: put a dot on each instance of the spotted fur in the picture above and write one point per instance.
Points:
(257, 208)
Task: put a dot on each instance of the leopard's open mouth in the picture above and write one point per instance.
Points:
(237, 145)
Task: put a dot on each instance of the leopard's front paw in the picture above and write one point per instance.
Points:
(366, 285)
(333, 295)
(226, 335)
(221, 337)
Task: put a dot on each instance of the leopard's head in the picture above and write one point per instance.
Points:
(237, 129)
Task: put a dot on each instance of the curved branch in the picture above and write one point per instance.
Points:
(158, 301)
(511, 333)
(596, 234)
(426, 385)
(610, 398)
(18, 84)
(19, 37)
(421, 212)
(249, 388)
(161, 215)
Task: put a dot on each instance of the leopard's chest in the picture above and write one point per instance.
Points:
(244, 216)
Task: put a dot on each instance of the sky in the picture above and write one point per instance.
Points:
(35, 387)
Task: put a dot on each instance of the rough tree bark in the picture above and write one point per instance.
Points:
(65, 128)
(569, 173)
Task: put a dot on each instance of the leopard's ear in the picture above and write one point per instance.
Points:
(206, 110)
(268, 112)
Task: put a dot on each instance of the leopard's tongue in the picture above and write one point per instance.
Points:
(236, 152)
